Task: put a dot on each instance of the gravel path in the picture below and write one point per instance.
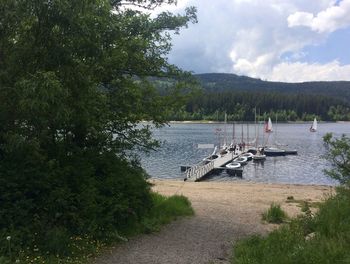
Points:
(224, 213)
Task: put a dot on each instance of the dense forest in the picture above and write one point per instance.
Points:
(240, 95)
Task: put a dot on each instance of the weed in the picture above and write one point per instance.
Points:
(274, 214)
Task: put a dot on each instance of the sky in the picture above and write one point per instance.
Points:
(275, 40)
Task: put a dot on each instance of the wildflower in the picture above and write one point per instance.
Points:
(8, 238)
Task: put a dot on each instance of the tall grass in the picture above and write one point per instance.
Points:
(291, 244)
(166, 209)
(274, 214)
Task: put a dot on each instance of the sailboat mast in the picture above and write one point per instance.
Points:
(247, 132)
(225, 129)
(276, 130)
(233, 132)
(255, 124)
(263, 139)
(257, 129)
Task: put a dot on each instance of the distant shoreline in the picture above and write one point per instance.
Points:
(238, 122)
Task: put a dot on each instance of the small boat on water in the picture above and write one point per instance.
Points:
(241, 160)
(259, 157)
(274, 152)
(248, 155)
(252, 150)
(211, 156)
(291, 152)
(233, 165)
(313, 127)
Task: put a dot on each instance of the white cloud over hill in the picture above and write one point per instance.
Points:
(264, 39)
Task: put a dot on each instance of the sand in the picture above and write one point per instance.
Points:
(224, 213)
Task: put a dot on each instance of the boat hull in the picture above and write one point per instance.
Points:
(259, 157)
(274, 152)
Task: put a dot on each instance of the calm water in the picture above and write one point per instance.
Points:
(180, 147)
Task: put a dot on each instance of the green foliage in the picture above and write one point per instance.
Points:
(305, 207)
(225, 82)
(239, 95)
(74, 89)
(61, 247)
(240, 106)
(290, 244)
(166, 210)
(274, 214)
(323, 238)
(339, 156)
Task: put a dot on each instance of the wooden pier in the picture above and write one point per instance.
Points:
(198, 171)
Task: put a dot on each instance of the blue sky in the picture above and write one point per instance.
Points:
(278, 40)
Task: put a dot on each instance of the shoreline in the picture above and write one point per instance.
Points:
(243, 182)
(225, 212)
(252, 122)
(257, 195)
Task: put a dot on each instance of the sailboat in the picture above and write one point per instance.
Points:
(272, 151)
(268, 126)
(259, 155)
(313, 127)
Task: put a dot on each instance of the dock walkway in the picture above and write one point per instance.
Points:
(198, 171)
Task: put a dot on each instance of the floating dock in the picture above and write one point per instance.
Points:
(200, 170)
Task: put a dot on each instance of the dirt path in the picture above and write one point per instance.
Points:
(225, 212)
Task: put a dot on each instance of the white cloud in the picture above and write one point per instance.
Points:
(328, 20)
(255, 38)
(300, 19)
(300, 72)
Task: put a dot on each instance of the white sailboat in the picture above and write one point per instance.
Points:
(268, 126)
(313, 127)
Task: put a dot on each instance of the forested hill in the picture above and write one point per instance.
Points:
(239, 95)
(224, 82)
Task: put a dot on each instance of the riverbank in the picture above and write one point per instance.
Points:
(225, 212)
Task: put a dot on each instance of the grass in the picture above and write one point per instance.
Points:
(81, 249)
(329, 243)
(165, 211)
(274, 214)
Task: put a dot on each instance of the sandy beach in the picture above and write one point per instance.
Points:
(224, 213)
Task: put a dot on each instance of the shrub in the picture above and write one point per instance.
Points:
(289, 244)
(165, 210)
(274, 214)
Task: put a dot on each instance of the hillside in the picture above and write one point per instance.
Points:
(223, 82)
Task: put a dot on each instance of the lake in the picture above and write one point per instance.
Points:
(180, 147)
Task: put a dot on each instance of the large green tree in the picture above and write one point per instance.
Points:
(73, 90)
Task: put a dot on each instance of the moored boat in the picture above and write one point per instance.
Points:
(259, 157)
(291, 152)
(248, 155)
(274, 152)
(233, 165)
(241, 160)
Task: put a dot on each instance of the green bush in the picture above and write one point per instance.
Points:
(292, 243)
(274, 214)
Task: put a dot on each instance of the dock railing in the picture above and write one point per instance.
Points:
(198, 171)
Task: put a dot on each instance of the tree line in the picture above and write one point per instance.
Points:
(241, 105)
